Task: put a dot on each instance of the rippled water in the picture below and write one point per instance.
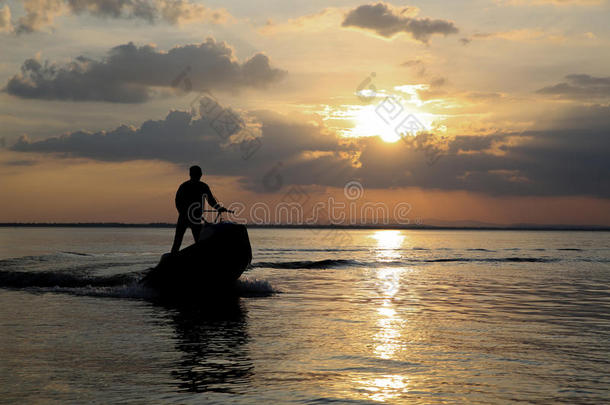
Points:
(348, 316)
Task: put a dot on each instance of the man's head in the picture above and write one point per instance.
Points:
(195, 172)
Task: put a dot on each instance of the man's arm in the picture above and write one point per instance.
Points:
(211, 200)
(180, 200)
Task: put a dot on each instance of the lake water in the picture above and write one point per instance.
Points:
(359, 316)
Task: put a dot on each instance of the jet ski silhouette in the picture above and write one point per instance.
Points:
(209, 266)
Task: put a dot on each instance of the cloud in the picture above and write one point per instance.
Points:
(42, 13)
(325, 19)
(38, 14)
(114, 9)
(551, 2)
(411, 63)
(569, 162)
(416, 64)
(233, 149)
(177, 138)
(579, 86)
(483, 96)
(130, 74)
(5, 19)
(183, 12)
(388, 21)
(552, 162)
(518, 35)
(22, 162)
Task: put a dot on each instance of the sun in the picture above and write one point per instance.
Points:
(369, 123)
(391, 123)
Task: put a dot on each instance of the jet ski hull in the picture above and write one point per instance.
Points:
(211, 265)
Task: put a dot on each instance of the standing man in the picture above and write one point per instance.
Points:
(190, 201)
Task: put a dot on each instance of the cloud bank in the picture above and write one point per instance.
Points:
(130, 73)
(579, 86)
(554, 162)
(42, 13)
(387, 21)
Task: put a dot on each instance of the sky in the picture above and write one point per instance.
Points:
(426, 112)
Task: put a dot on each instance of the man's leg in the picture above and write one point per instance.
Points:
(196, 230)
(180, 229)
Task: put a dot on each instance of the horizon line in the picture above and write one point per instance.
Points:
(516, 227)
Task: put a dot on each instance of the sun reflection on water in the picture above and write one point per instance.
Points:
(388, 244)
(384, 388)
(388, 341)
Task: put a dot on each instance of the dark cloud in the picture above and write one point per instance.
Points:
(225, 141)
(22, 162)
(553, 162)
(387, 21)
(473, 143)
(179, 137)
(130, 73)
(536, 163)
(578, 86)
(115, 9)
(41, 13)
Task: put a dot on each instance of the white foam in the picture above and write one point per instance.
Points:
(133, 290)
(253, 286)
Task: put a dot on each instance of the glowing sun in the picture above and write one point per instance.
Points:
(369, 123)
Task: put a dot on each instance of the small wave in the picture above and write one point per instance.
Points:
(126, 285)
(22, 279)
(133, 290)
(15, 261)
(76, 253)
(311, 250)
(595, 260)
(571, 249)
(338, 263)
(495, 260)
(110, 254)
(308, 264)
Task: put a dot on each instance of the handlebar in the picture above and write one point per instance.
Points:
(219, 213)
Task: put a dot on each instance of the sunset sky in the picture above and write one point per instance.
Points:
(485, 110)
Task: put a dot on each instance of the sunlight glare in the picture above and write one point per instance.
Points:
(385, 388)
(388, 241)
(369, 123)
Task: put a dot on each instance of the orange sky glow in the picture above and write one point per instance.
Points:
(463, 113)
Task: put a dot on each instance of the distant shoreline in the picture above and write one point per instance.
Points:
(347, 227)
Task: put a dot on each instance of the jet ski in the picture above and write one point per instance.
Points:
(209, 266)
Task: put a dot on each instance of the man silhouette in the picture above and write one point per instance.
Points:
(190, 200)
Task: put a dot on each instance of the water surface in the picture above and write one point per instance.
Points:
(351, 316)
